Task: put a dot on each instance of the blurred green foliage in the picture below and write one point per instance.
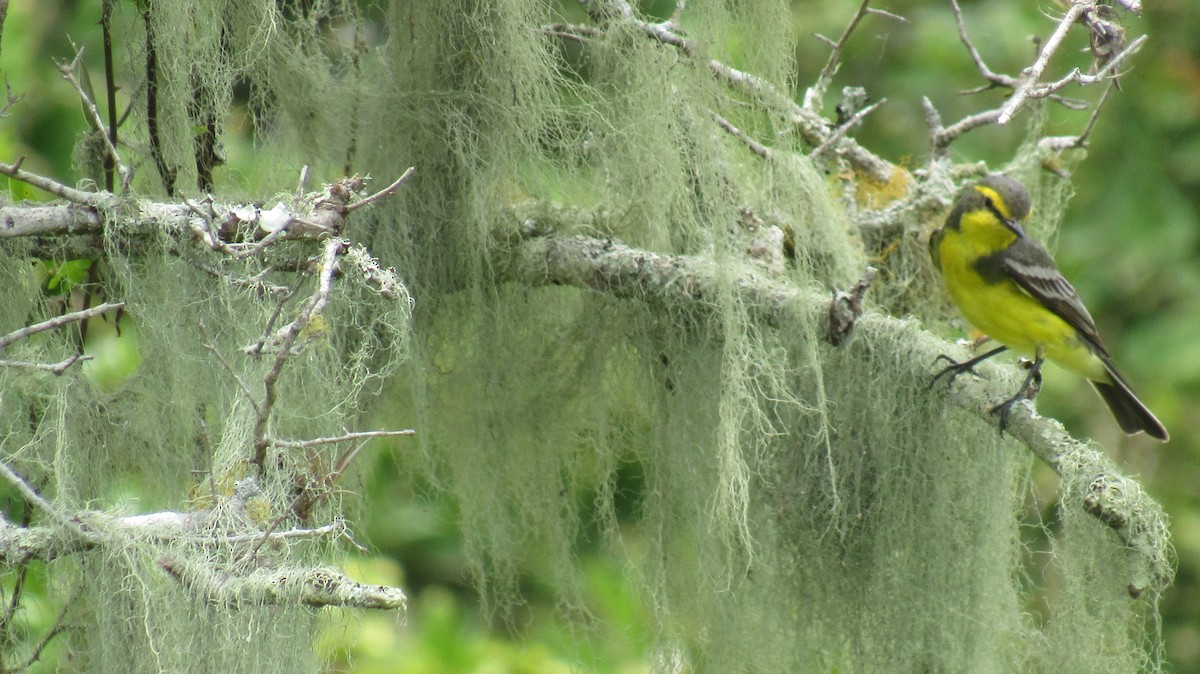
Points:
(1129, 243)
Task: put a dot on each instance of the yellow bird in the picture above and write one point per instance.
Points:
(1007, 285)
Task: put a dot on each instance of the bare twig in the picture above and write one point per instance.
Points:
(93, 199)
(812, 127)
(286, 338)
(69, 72)
(383, 192)
(941, 137)
(336, 528)
(995, 79)
(992, 77)
(55, 368)
(58, 322)
(60, 626)
(816, 93)
(1076, 76)
(3, 15)
(347, 437)
(110, 89)
(208, 344)
(571, 31)
(35, 499)
(256, 282)
(1033, 74)
(755, 146)
(841, 130)
(1091, 124)
(1060, 143)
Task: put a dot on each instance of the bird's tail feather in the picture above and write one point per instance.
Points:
(1131, 414)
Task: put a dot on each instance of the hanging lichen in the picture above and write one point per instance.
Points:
(802, 508)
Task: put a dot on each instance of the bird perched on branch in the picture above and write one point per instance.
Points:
(1007, 285)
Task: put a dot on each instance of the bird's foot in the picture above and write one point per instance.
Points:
(1028, 391)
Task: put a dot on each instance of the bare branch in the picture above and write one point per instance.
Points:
(813, 128)
(755, 146)
(207, 344)
(69, 73)
(383, 192)
(1060, 143)
(994, 78)
(941, 137)
(347, 437)
(1033, 74)
(93, 199)
(54, 368)
(32, 497)
(816, 93)
(1076, 76)
(256, 282)
(286, 339)
(58, 322)
(844, 127)
(571, 31)
(60, 626)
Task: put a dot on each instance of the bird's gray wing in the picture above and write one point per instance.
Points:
(1032, 268)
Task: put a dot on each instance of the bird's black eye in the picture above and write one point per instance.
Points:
(991, 206)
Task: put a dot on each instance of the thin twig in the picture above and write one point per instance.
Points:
(54, 368)
(357, 435)
(815, 93)
(994, 78)
(42, 504)
(68, 72)
(208, 344)
(755, 146)
(1091, 124)
(110, 88)
(571, 31)
(60, 626)
(255, 282)
(383, 192)
(1076, 76)
(300, 182)
(58, 322)
(1060, 143)
(337, 527)
(93, 199)
(1034, 73)
(813, 128)
(287, 338)
(844, 127)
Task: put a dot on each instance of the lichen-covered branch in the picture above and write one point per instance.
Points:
(85, 532)
(318, 587)
(812, 127)
(1089, 478)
